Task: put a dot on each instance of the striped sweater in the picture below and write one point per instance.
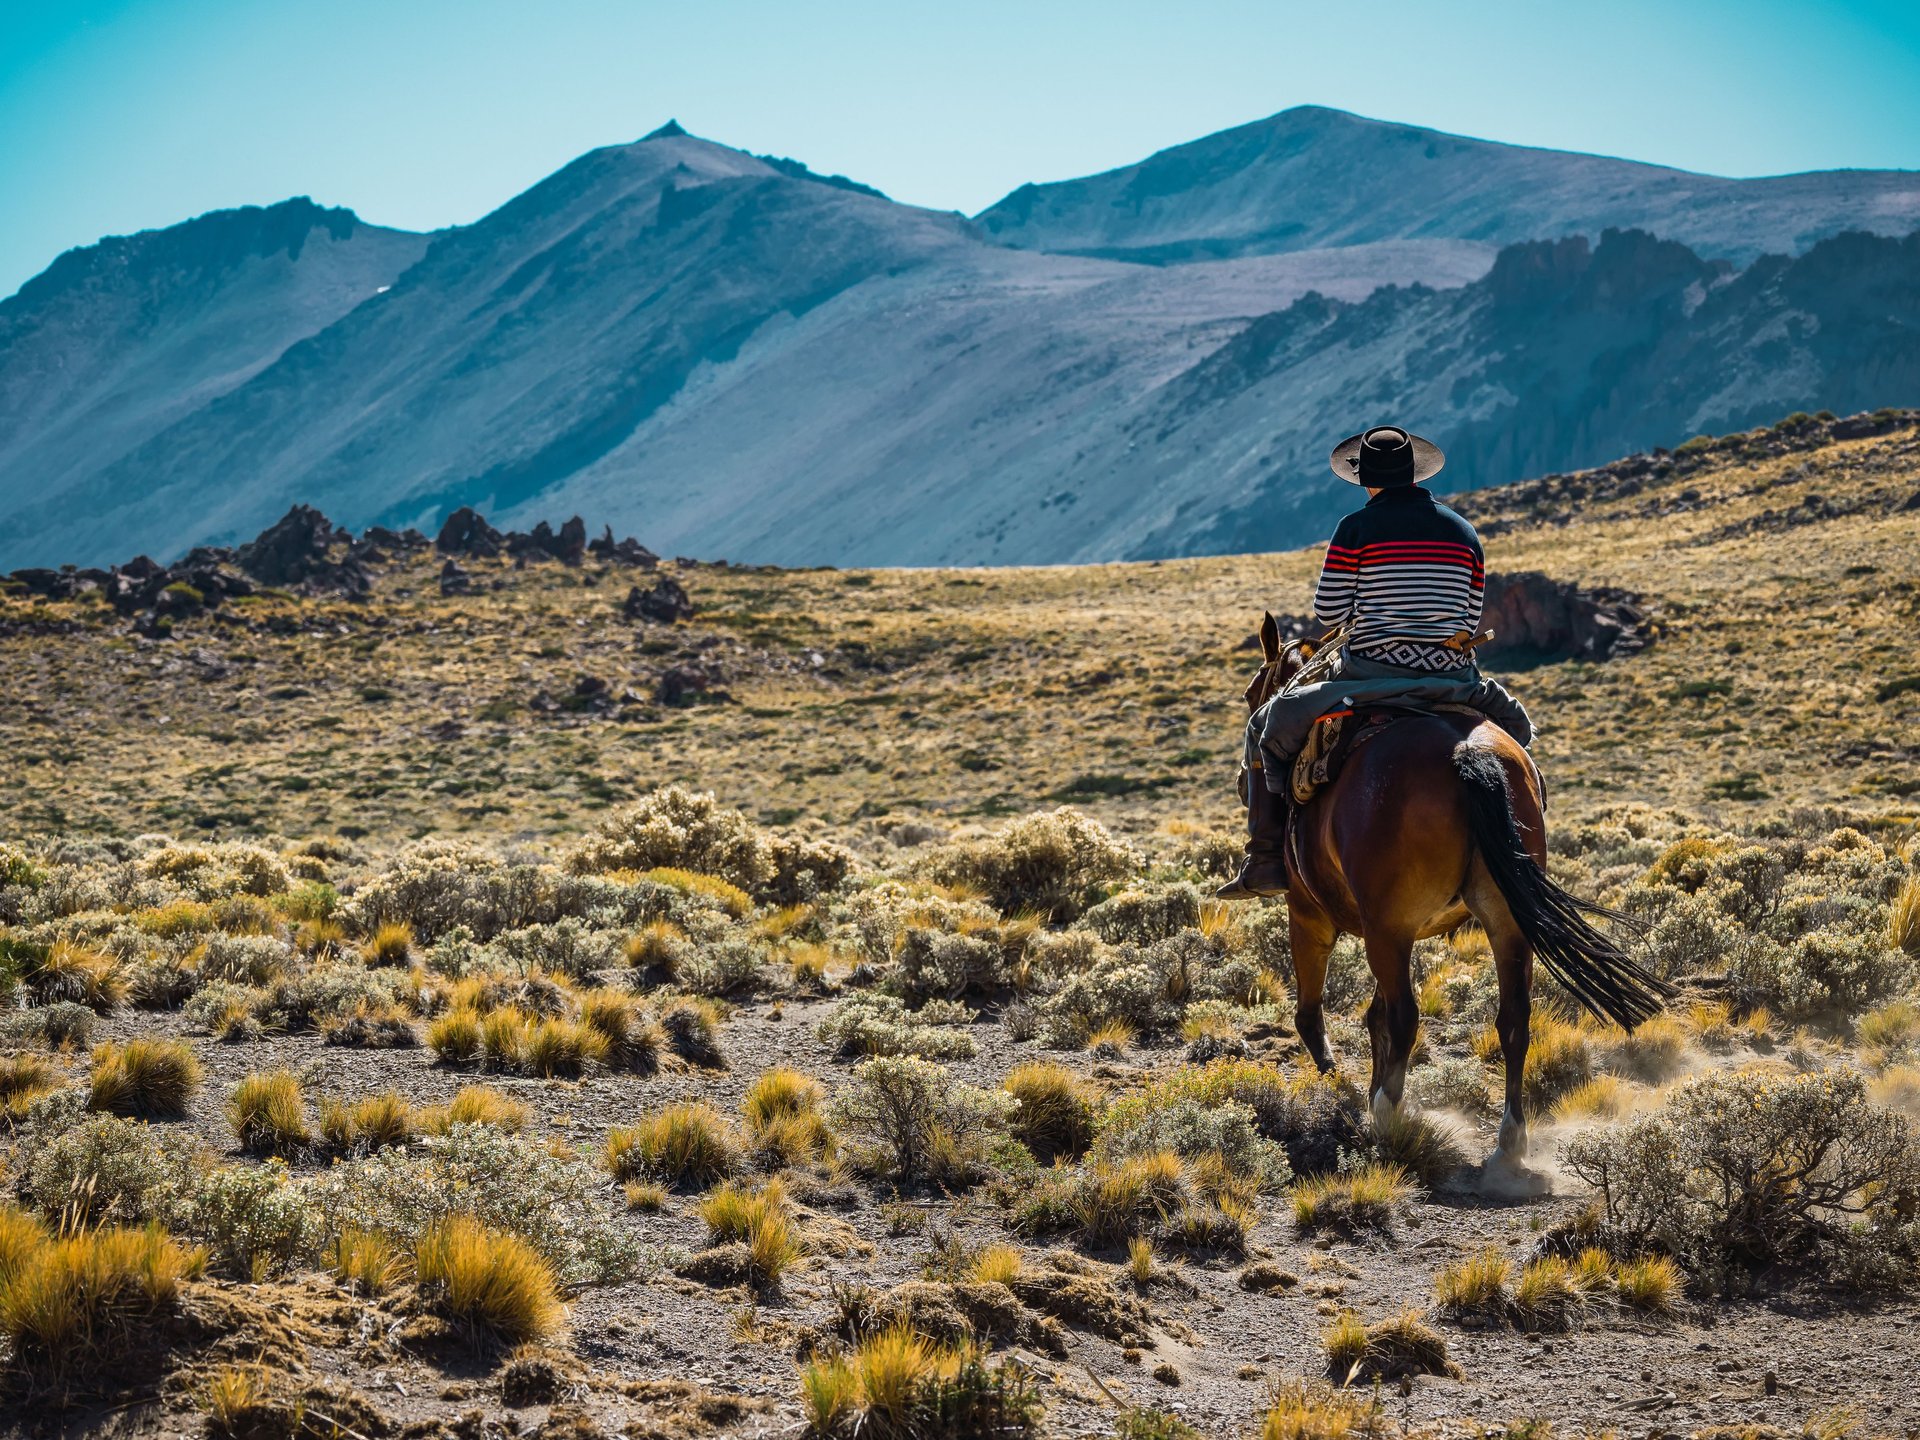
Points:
(1409, 574)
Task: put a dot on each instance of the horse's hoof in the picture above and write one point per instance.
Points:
(1513, 1179)
(1514, 1141)
(1385, 1111)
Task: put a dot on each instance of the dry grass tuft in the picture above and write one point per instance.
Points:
(1302, 1412)
(1475, 1286)
(1651, 1284)
(366, 1263)
(68, 1302)
(1056, 1113)
(1385, 1350)
(268, 1114)
(489, 1281)
(1365, 1199)
(686, 1144)
(476, 1105)
(390, 944)
(146, 1079)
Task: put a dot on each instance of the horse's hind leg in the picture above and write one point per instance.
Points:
(1310, 937)
(1513, 968)
(1393, 1020)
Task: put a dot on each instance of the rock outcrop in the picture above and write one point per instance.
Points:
(304, 550)
(664, 601)
(1535, 618)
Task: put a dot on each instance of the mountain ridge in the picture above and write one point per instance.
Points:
(735, 355)
(1219, 196)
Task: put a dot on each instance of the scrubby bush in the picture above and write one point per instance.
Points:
(254, 1220)
(1224, 1132)
(1053, 863)
(55, 1025)
(1307, 1114)
(1749, 1168)
(930, 963)
(911, 1120)
(730, 965)
(681, 829)
(101, 1169)
(872, 1024)
(1144, 914)
(554, 1201)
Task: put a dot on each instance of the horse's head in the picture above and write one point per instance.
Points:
(1281, 663)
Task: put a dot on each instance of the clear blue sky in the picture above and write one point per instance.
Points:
(120, 115)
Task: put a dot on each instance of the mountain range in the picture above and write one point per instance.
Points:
(727, 354)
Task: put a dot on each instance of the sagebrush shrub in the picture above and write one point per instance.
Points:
(1750, 1168)
(909, 1118)
(873, 1024)
(254, 1220)
(102, 1169)
(554, 1201)
(1053, 863)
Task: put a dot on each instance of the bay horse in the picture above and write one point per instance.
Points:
(1438, 818)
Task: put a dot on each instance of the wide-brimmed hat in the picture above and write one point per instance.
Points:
(1385, 456)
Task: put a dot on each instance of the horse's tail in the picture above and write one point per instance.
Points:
(1592, 967)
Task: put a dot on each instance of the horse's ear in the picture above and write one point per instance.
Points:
(1270, 637)
(1307, 647)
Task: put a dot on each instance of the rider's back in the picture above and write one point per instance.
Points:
(1407, 574)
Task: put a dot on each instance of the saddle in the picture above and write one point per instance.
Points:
(1337, 734)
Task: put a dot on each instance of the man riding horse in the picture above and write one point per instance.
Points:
(1440, 816)
(1402, 581)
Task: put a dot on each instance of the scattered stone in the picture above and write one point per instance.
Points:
(666, 602)
(454, 580)
(694, 683)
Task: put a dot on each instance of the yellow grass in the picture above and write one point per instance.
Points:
(364, 1262)
(1476, 1285)
(70, 1300)
(688, 1143)
(997, 1263)
(268, 1113)
(150, 1078)
(488, 1280)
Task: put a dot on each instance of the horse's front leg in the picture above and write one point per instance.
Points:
(1310, 935)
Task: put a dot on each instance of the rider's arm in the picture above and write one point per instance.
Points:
(1339, 579)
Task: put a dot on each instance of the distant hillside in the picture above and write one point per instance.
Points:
(732, 355)
(1312, 177)
(116, 341)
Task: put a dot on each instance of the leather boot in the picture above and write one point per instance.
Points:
(1265, 869)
